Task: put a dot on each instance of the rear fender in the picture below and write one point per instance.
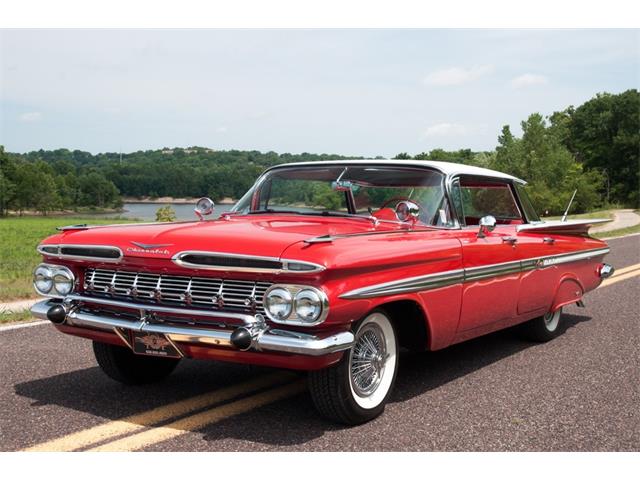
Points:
(570, 290)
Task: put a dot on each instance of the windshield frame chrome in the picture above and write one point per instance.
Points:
(444, 183)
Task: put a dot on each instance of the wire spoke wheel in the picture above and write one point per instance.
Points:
(368, 360)
(372, 361)
(356, 389)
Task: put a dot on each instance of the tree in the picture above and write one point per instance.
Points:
(7, 187)
(95, 190)
(548, 166)
(35, 188)
(605, 135)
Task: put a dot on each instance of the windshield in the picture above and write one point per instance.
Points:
(349, 190)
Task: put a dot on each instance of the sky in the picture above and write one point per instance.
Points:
(351, 92)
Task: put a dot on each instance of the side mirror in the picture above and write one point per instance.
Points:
(205, 206)
(407, 211)
(487, 224)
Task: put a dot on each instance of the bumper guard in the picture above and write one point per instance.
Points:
(262, 337)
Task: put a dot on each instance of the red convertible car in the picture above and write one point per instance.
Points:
(327, 267)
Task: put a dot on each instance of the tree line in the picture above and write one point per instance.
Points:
(593, 148)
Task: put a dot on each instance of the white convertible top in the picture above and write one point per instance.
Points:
(448, 168)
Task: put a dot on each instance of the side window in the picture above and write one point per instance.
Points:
(456, 199)
(529, 211)
(481, 199)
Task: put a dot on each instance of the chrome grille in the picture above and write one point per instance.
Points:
(214, 293)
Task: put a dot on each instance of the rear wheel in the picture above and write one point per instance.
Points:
(356, 389)
(544, 328)
(124, 366)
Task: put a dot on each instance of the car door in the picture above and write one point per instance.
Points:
(539, 280)
(491, 263)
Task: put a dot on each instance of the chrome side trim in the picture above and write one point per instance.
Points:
(40, 249)
(413, 284)
(284, 263)
(473, 274)
(489, 271)
(247, 319)
(276, 340)
(571, 257)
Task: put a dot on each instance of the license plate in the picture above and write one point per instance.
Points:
(153, 344)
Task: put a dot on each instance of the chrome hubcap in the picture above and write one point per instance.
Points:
(368, 359)
(551, 320)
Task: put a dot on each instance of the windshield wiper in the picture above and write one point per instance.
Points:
(271, 210)
(326, 213)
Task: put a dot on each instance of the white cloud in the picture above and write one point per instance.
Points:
(456, 75)
(446, 130)
(221, 129)
(529, 80)
(259, 115)
(30, 117)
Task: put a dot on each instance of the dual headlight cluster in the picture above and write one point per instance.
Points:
(296, 304)
(53, 280)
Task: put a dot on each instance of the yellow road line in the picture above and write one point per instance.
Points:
(199, 420)
(134, 423)
(151, 417)
(620, 271)
(618, 278)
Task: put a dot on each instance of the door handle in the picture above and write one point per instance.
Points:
(549, 240)
(511, 240)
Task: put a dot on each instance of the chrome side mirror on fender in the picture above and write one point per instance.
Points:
(407, 211)
(205, 206)
(487, 224)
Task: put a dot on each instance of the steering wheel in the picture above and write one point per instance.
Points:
(396, 200)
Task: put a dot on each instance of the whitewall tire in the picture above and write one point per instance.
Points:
(357, 388)
(544, 328)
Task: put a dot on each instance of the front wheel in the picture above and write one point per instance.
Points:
(544, 328)
(124, 366)
(356, 389)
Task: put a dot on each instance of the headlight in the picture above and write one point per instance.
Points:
(278, 303)
(296, 305)
(308, 305)
(43, 279)
(53, 280)
(63, 280)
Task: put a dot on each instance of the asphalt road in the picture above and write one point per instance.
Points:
(578, 392)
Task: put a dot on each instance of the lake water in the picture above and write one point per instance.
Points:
(147, 211)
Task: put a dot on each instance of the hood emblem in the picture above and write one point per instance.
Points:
(148, 246)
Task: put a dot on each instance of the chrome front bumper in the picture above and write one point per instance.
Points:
(263, 338)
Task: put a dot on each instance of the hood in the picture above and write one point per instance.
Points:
(266, 236)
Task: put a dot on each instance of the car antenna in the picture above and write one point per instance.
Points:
(566, 212)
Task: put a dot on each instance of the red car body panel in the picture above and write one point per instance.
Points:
(491, 289)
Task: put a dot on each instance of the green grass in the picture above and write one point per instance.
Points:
(13, 317)
(618, 233)
(598, 214)
(19, 237)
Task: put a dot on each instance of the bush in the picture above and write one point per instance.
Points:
(165, 214)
